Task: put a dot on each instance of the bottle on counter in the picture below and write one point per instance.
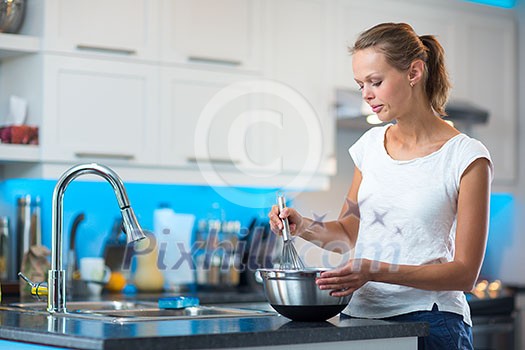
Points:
(148, 277)
(4, 247)
(28, 228)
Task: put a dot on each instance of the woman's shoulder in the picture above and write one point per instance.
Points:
(376, 132)
(369, 143)
(467, 149)
(467, 145)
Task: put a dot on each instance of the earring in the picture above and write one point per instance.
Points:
(411, 84)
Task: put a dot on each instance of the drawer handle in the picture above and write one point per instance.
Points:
(104, 155)
(103, 49)
(224, 161)
(210, 60)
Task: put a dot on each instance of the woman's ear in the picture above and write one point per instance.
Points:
(415, 72)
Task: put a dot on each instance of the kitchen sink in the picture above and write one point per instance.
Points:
(139, 311)
(78, 306)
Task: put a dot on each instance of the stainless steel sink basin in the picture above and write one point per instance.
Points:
(140, 311)
(76, 306)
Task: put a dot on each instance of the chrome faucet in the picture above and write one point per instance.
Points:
(56, 298)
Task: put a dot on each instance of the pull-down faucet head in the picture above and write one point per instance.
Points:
(56, 301)
(131, 226)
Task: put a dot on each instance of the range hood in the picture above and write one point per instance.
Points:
(352, 112)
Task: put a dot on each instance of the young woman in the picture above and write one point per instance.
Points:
(416, 213)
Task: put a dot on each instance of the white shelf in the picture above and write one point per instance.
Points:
(17, 44)
(19, 153)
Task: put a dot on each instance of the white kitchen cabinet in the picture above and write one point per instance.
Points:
(223, 33)
(489, 80)
(122, 28)
(211, 127)
(297, 60)
(189, 133)
(99, 110)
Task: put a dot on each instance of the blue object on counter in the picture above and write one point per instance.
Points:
(177, 302)
(129, 289)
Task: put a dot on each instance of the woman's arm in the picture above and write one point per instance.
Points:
(344, 229)
(459, 274)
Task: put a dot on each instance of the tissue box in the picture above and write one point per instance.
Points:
(19, 134)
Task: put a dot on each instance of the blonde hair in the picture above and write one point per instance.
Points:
(401, 46)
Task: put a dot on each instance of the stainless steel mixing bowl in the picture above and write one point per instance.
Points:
(294, 294)
(12, 14)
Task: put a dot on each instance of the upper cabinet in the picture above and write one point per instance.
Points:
(489, 80)
(125, 28)
(224, 33)
(297, 60)
(199, 125)
(99, 110)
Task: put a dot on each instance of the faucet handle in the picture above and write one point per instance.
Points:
(38, 289)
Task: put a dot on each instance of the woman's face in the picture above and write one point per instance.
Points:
(383, 87)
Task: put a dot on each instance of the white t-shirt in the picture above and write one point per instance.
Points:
(408, 216)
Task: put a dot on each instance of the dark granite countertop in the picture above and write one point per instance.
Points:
(194, 334)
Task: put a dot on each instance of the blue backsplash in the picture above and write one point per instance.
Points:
(501, 232)
(97, 201)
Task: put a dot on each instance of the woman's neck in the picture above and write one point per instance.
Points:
(418, 126)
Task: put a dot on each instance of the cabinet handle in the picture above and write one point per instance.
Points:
(104, 155)
(224, 161)
(211, 60)
(113, 50)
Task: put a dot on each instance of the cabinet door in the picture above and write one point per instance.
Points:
(298, 34)
(217, 32)
(197, 125)
(116, 27)
(97, 109)
(493, 86)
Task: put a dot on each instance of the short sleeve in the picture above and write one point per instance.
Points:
(357, 151)
(359, 148)
(472, 150)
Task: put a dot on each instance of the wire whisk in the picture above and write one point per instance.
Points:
(290, 260)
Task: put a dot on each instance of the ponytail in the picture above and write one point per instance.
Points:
(437, 84)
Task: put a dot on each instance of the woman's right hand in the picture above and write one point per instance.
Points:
(294, 219)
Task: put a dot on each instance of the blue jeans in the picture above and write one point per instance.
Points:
(447, 329)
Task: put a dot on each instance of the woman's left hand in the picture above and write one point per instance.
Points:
(347, 279)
